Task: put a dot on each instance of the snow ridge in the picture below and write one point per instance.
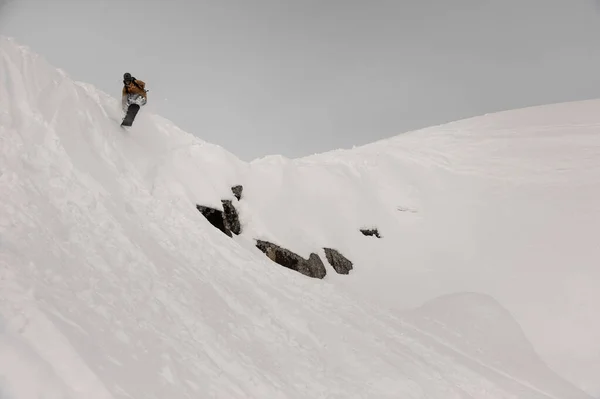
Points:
(112, 285)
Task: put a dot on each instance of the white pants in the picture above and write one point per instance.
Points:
(133, 99)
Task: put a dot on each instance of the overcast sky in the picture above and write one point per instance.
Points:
(298, 77)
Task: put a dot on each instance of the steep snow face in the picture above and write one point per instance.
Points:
(503, 204)
(112, 285)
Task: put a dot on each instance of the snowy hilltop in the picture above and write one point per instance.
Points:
(147, 263)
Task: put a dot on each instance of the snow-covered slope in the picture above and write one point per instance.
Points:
(504, 204)
(477, 327)
(112, 285)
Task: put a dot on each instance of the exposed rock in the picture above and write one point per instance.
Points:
(215, 217)
(237, 191)
(231, 218)
(339, 262)
(271, 254)
(313, 267)
(370, 232)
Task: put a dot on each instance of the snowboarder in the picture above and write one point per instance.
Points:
(133, 97)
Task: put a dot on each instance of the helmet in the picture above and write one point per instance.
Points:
(127, 77)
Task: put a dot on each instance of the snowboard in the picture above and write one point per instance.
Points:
(130, 115)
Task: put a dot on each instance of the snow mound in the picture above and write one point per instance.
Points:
(112, 285)
(477, 326)
(481, 323)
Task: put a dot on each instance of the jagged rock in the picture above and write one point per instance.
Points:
(226, 220)
(237, 191)
(313, 267)
(370, 232)
(231, 218)
(215, 217)
(339, 262)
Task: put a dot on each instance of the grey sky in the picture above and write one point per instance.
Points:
(299, 77)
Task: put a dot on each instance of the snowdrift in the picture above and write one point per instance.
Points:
(113, 285)
(482, 331)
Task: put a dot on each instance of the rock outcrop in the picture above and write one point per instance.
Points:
(215, 217)
(371, 232)
(338, 261)
(226, 220)
(231, 217)
(311, 267)
(237, 191)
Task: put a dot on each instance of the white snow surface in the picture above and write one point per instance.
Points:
(113, 285)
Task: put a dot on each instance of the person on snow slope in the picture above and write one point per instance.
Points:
(134, 91)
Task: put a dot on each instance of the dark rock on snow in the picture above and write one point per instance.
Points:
(226, 220)
(215, 217)
(339, 262)
(370, 232)
(312, 267)
(237, 191)
(230, 217)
